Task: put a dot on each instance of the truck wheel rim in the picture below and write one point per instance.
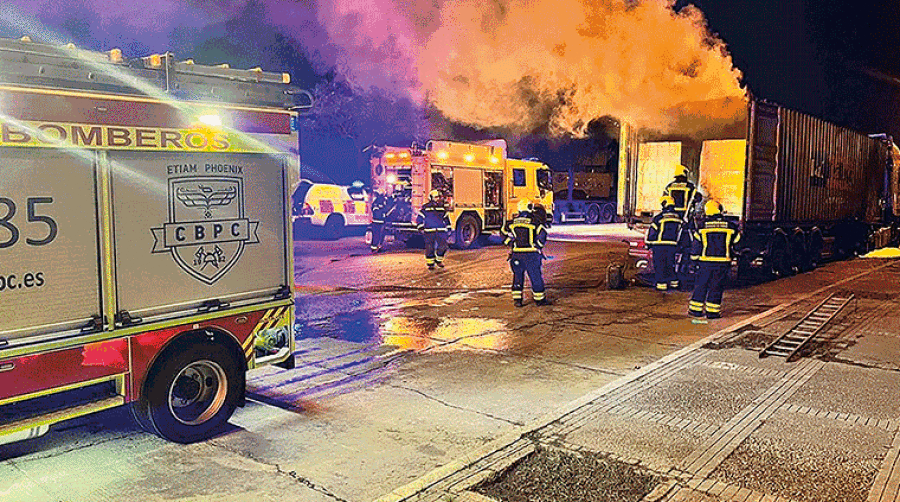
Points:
(468, 232)
(198, 392)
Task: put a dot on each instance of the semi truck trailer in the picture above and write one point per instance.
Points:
(801, 188)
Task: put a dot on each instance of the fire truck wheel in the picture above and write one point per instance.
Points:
(468, 230)
(189, 395)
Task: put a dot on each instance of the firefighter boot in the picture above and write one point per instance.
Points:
(518, 302)
(542, 302)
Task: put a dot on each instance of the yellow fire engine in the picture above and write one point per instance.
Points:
(480, 185)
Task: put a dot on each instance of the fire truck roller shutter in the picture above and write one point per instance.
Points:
(49, 246)
(189, 227)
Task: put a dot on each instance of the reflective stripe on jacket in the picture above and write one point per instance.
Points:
(682, 191)
(433, 218)
(525, 233)
(715, 239)
(665, 229)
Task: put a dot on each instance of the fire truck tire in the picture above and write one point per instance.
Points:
(468, 230)
(190, 394)
(334, 227)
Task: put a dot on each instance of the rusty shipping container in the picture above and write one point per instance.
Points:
(803, 170)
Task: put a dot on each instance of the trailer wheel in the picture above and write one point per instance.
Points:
(190, 393)
(779, 254)
(815, 247)
(468, 230)
(799, 253)
(592, 215)
(607, 213)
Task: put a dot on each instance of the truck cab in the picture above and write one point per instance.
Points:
(479, 184)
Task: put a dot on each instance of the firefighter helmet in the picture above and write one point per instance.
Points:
(434, 195)
(712, 208)
(681, 170)
(524, 205)
(666, 201)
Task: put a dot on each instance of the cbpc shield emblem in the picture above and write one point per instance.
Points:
(207, 231)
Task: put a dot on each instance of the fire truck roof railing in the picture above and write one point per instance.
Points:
(24, 62)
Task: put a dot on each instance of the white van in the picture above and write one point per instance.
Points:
(330, 209)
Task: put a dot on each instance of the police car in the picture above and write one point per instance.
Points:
(329, 210)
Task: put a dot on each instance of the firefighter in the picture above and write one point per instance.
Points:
(526, 235)
(379, 211)
(663, 237)
(713, 248)
(681, 190)
(434, 225)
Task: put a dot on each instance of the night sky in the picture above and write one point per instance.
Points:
(832, 58)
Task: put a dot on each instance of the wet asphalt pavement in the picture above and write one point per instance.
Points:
(400, 370)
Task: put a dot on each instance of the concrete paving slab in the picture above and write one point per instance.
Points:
(375, 445)
(475, 381)
(703, 393)
(877, 348)
(17, 486)
(656, 446)
(746, 361)
(864, 392)
(138, 466)
(807, 458)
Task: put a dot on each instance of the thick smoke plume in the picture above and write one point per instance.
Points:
(527, 65)
(519, 65)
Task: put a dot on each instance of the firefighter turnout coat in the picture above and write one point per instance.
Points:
(682, 191)
(527, 237)
(712, 249)
(434, 224)
(663, 237)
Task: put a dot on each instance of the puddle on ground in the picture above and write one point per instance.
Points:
(411, 333)
(446, 334)
(359, 318)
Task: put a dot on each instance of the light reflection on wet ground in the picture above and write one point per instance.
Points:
(361, 318)
(446, 334)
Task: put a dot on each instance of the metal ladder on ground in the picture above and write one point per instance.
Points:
(789, 344)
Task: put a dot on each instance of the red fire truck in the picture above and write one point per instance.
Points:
(145, 245)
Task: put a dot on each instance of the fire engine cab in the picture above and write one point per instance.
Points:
(145, 249)
(480, 186)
